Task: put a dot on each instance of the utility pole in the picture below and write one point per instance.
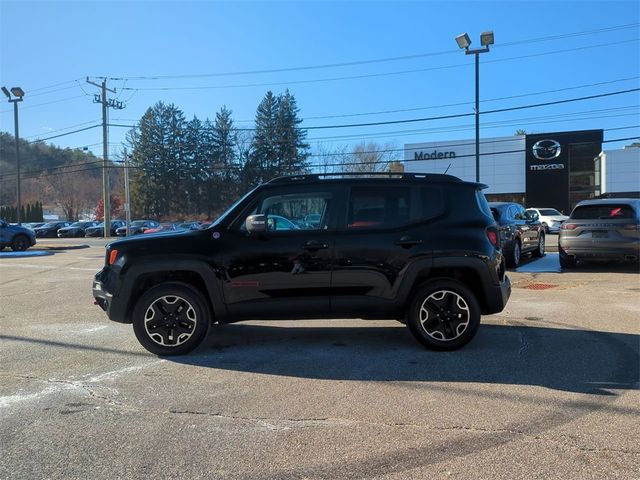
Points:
(127, 196)
(17, 93)
(106, 103)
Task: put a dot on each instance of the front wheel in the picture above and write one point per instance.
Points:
(20, 243)
(444, 315)
(171, 319)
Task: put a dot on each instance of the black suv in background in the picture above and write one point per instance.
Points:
(98, 230)
(520, 231)
(419, 248)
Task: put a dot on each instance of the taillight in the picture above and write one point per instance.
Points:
(568, 226)
(112, 256)
(492, 235)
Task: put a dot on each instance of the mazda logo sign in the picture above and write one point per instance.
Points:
(546, 149)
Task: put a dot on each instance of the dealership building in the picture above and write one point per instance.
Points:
(556, 169)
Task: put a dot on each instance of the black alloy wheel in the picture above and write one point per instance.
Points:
(171, 319)
(444, 315)
(20, 243)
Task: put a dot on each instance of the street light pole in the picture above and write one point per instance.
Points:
(18, 93)
(486, 39)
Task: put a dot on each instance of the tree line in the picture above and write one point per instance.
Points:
(197, 167)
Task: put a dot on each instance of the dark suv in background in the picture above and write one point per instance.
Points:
(419, 248)
(520, 231)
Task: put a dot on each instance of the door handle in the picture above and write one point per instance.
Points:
(408, 242)
(313, 245)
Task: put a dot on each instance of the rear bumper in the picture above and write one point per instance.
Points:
(605, 251)
(497, 297)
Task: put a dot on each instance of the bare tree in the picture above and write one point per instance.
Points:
(371, 157)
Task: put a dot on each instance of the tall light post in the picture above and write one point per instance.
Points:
(463, 40)
(18, 93)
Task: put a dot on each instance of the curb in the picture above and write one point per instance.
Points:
(60, 247)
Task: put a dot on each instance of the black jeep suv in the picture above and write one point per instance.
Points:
(419, 248)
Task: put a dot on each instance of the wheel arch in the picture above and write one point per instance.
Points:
(139, 279)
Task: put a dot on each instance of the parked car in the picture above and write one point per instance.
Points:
(550, 218)
(98, 230)
(137, 227)
(17, 237)
(520, 232)
(50, 229)
(188, 226)
(607, 229)
(430, 258)
(163, 227)
(33, 225)
(76, 229)
(278, 222)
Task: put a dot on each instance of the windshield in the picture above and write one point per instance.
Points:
(549, 212)
(137, 223)
(230, 209)
(601, 212)
(50, 225)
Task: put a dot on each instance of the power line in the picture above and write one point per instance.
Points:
(372, 75)
(46, 103)
(369, 61)
(97, 163)
(444, 117)
(63, 134)
(61, 129)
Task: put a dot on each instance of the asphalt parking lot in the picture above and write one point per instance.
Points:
(548, 389)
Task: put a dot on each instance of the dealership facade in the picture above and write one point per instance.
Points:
(555, 169)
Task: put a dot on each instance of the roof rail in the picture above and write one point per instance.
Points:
(402, 175)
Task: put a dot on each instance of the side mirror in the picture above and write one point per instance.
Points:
(256, 224)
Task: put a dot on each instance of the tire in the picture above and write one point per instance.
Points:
(515, 255)
(184, 310)
(454, 310)
(545, 227)
(539, 252)
(20, 243)
(567, 261)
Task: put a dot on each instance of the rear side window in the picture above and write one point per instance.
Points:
(600, 212)
(432, 202)
(371, 207)
(483, 205)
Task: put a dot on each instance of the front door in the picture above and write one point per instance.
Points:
(288, 268)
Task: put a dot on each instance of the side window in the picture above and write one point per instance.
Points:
(298, 211)
(371, 207)
(432, 203)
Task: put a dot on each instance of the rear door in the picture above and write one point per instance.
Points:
(379, 235)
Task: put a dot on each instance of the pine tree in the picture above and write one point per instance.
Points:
(264, 163)
(291, 146)
(224, 143)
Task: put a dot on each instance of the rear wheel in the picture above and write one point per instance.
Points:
(444, 315)
(539, 252)
(515, 255)
(567, 261)
(20, 243)
(171, 319)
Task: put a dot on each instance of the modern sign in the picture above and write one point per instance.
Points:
(548, 165)
(435, 155)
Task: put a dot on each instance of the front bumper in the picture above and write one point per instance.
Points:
(114, 309)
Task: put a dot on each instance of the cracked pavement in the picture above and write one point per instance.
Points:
(548, 389)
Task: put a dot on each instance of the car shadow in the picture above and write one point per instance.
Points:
(580, 361)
